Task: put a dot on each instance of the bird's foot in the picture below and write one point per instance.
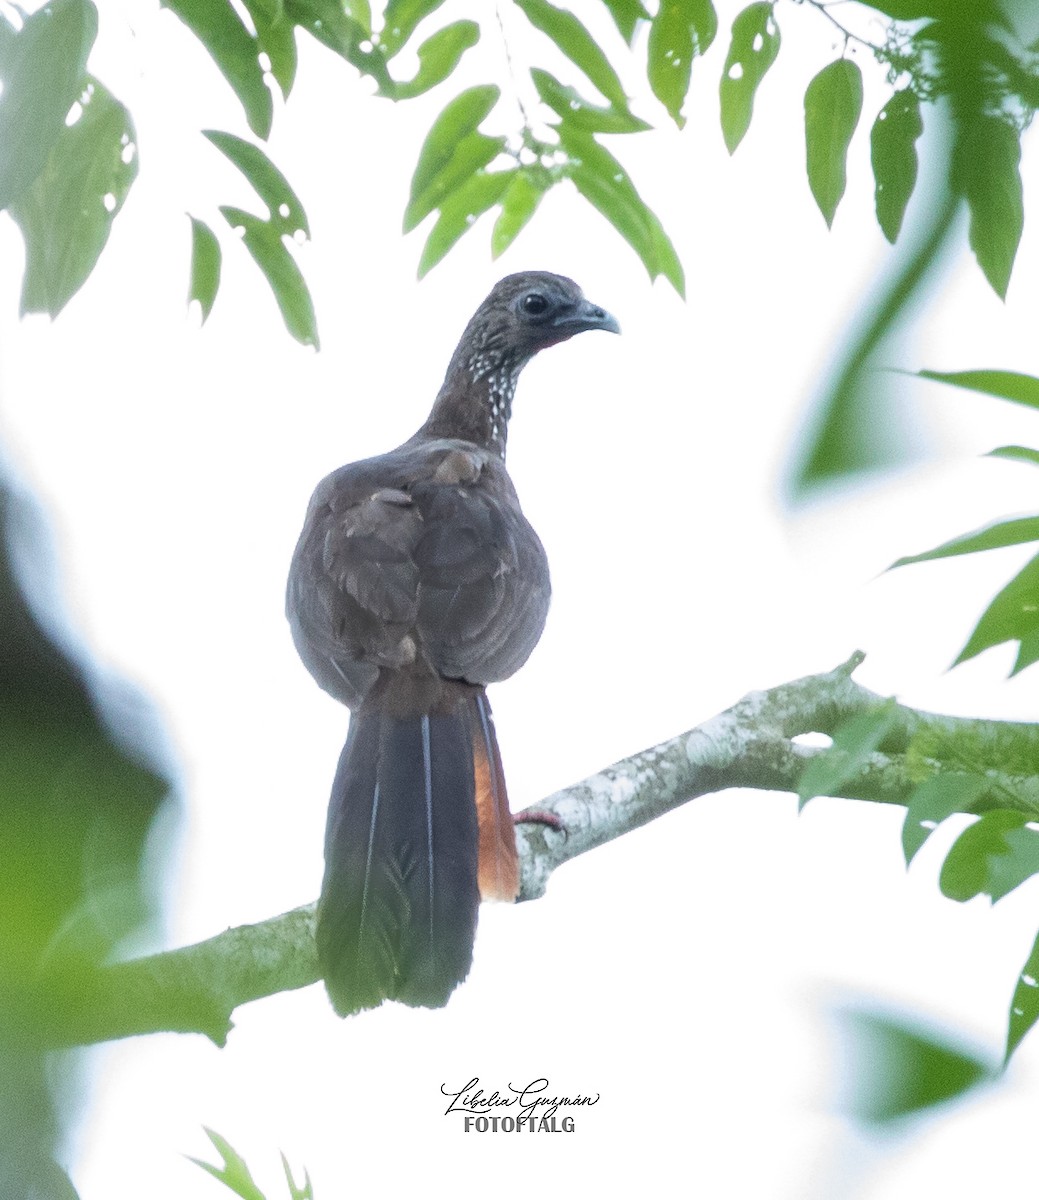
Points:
(539, 816)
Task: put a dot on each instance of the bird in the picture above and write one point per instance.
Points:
(415, 583)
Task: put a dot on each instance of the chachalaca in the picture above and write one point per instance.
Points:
(417, 581)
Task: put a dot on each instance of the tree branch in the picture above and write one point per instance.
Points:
(751, 745)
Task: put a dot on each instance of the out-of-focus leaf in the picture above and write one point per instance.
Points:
(1004, 385)
(755, 44)
(400, 20)
(347, 31)
(277, 37)
(8, 42)
(578, 112)
(853, 743)
(235, 51)
(297, 1192)
(990, 537)
(205, 267)
(437, 58)
(895, 1070)
(893, 153)
(66, 214)
(286, 210)
(518, 205)
(459, 212)
(233, 1172)
(681, 30)
(471, 154)
(833, 103)
(46, 72)
(978, 12)
(359, 11)
(1012, 616)
(290, 290)
(626, 16)
(457, 123)
(601, 179)
(1016, 454)
(985, 160)
(574, 40)
(991, 857)
(933, 801)
(1024, 1007)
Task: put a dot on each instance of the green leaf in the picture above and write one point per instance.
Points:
(344, 30)
(456, 124)
(896, 1070)
(518, 205)
(601, 179)
(400, 21)
(266, 245)
(626, 16)
(234, 50)
(437, 58)
(358, 11)
(46, 73)
(277, 38)
(1012, 616)
(933, 801)
(459, 212)
(1004, 385)
(755, 44)
(991, 857)
(569, 104)
(286, 211)
(853, 744)
(681, 30)
(205, 267)
(989, 537)
(977, 13)
(1016, 454)
(471, 154)
(833, 102)
(1024, 1007)
(233, 1173)
(893, 153)
(985, 159)
(574, 40)
(67, 213)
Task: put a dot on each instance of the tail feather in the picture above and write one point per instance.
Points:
(399, 901)
(499, 865)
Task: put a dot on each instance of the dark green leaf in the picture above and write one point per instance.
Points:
(976, 13)
(400, 20)
(934, 800)
(518, 205)
(234, 50)
(290, 290)
(45, 75)
(833, 102)
(985, 159)
(205, 267)
(1016, 454)
(457, 122)
(437, 58)
(1024, 1007)
(233, 1173)
(853, 744)
(277, 37)
(459, 212)
(755, 44)
(576, 111)
(990, 537)
(286, 211)
(681, 30)
(896, 1070)
(893, 152)
(578, 45)
(991, 857)
(1004, 385)
(1012, 616)
(67, 213)
(626, 15)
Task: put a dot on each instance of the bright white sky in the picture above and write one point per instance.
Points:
(687, 972)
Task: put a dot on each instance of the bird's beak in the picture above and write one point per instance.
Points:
(585, 315)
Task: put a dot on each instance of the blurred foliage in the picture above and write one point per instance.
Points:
(235, 1175)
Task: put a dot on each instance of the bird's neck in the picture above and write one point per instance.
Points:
(475, 401)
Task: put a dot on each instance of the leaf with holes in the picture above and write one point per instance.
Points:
(574, 40)
(459, 213)
(283, 205)
(991, 857)
(344, 30)
(400, 21)
(933, 801)
(518, 205)
(205, 267)
(576, 111)
(833, 102)
(893, 141)
(45, 74)
(268, 249)
(277, 37)
(1024, 1007)
(1004, 385)
(681, 30)
(1012, 616)
(67, 214)
(853, 744)
(985, 160)
(990, 537)
(755, 44)
(437, 58)
(234, 50)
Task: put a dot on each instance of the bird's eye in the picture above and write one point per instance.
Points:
(534, 304)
